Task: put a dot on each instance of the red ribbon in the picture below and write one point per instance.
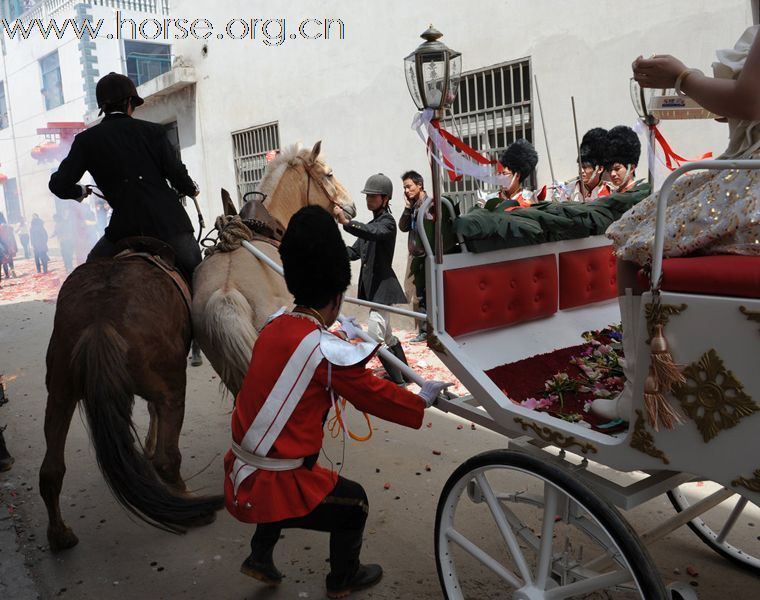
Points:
(670, 156)
(460, 145)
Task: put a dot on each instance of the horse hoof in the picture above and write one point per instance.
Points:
(62, 539)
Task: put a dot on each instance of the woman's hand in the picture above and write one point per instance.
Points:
(660, 71)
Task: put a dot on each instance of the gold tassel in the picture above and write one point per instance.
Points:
(665, 369)
(659, 409)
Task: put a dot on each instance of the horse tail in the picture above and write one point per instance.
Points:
(228, 326)
(99, 361)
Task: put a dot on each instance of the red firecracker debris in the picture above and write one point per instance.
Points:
(386, 485)
(692, 571)
(460, 426)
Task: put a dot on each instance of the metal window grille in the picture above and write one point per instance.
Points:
(492, 109)
(250, 148)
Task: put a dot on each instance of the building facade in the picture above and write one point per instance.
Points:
(51, 63)
(345, 86)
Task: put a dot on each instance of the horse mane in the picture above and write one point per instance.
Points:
(277, 167)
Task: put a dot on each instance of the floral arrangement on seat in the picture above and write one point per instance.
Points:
(566, 381)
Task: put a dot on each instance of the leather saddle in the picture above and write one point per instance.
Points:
(261, 223)
(157, 253)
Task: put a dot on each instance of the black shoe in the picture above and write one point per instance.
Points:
(365, 576)
(262, 570)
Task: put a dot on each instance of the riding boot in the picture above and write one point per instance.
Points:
(6, 460)
(392, 373)
(260, 563)
(620, 406)
(398, 351)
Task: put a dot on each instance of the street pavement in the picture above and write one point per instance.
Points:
(402, 470)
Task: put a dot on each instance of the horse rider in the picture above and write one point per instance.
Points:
(131, 161)
(297, 372)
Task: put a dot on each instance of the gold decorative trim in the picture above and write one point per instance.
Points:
(658, 313)
(643, 441)
(753, 485)
(555, 438)
(750, 314)
(712, 396)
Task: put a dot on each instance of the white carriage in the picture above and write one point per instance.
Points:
(555, 521)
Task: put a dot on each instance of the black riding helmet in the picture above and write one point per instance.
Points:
(114, 88)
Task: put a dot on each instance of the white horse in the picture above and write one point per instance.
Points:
(234, 292)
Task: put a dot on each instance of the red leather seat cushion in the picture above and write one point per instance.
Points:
(587, 276)
(499, 294)
(718, 275)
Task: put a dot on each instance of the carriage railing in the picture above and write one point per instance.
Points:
(662, 203)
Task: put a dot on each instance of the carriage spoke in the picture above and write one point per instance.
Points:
(485, 558)
(731, 521)
(504, 528)
(551, 498)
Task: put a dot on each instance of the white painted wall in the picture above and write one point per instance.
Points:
(352, 95)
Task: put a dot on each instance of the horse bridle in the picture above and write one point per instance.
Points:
(309, 178)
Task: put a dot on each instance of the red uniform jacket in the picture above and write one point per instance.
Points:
(268, 496)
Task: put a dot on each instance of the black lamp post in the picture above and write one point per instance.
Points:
(432, 74)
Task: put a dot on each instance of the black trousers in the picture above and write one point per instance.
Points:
(342, 513)
(187, 252)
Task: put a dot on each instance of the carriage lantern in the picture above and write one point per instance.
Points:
(432, 72)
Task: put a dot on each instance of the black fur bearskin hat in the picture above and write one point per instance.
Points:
(623, 146)
(593, 146)
(314, 258)
(520, 157)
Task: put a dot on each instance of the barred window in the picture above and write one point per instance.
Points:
(252, 148)
(492, 109)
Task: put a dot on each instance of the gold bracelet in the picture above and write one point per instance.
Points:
(682, 78)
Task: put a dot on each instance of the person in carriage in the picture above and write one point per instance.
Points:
(519, 161)
(591, 160)
(714, 212)
(297, 370)
(131, 161)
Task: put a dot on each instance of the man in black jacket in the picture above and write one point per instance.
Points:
(377, 281)
(130, 161)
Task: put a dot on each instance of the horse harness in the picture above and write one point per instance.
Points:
(309, 178)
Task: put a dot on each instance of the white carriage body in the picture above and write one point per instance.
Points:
(707, 327)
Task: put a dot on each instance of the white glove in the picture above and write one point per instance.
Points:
(430, 390)
(350, 327)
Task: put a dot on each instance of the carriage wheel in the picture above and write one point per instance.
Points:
(509, 521)
(730, 528)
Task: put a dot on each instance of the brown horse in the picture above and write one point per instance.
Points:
(121, 329)
(234, 292)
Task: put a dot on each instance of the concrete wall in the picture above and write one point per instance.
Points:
(352, 95)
